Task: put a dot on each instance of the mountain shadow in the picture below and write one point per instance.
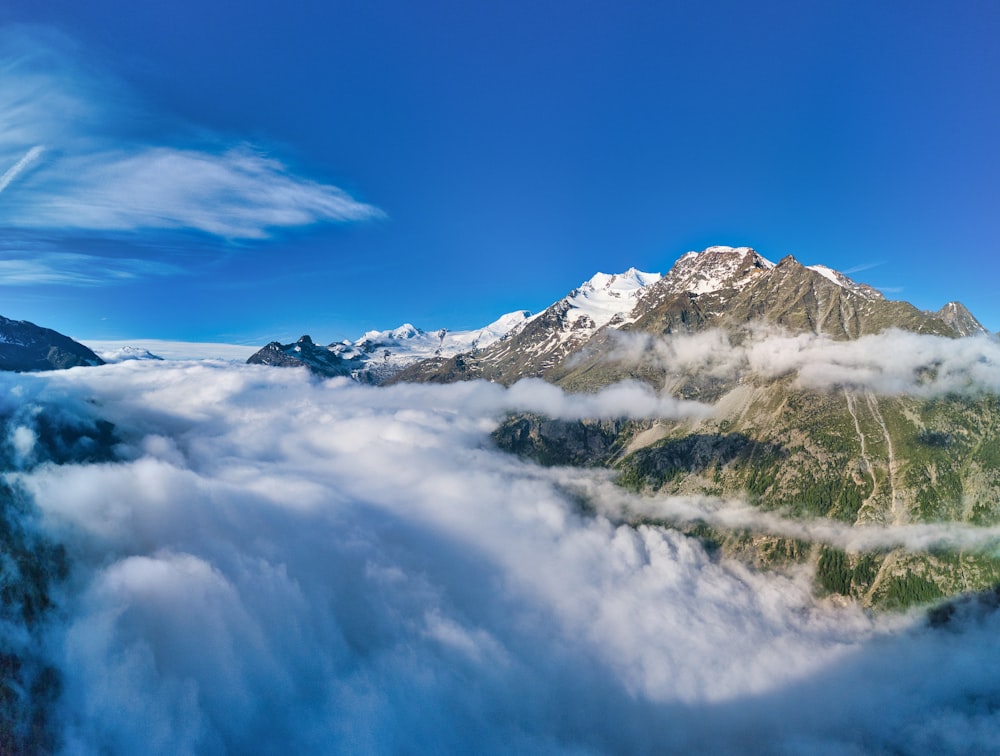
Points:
(703, 453)
(580, 443)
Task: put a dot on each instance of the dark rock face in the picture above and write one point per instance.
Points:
(27, 347)
(303, 353)
(274, 354)
(560, 442)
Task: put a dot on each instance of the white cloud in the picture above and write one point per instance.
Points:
(32, 267)
(863, 266)
(23, 440)
(893, 362)
(730, 514)
(236, 194)
(625, 399)
(174, 350)
(276, 564)
(11, 173)
(78, 162)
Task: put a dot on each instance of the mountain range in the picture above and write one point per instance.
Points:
(719, 287)
(379, 355)
(840, 452)
(736, 332)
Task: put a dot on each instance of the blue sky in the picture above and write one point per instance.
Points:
(252, 171)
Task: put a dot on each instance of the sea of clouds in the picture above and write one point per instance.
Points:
(274, 564)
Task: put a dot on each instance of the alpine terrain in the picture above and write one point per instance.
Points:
(786, 431)
(379, 355)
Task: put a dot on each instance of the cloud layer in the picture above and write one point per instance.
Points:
(893, 362)
(76, 153)
(599, 490)
(276, 564)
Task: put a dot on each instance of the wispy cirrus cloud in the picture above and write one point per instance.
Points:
(76, 269)
(235, 194)
(11, 173)
(77, 153)
(863, 266)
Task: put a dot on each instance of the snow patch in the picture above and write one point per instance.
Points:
(828, 273)
(844, 282)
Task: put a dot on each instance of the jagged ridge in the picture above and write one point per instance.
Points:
(720, 287)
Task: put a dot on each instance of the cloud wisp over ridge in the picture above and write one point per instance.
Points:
(276, 562)
(892, 362)
(600, 492)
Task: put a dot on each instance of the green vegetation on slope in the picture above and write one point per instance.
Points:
(849, 456)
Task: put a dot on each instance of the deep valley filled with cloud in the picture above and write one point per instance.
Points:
(260, 561)
(328, 427)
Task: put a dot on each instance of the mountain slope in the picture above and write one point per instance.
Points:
(26, 347)
(831, 404)
(837, 451)
(789, 295)
(721, 287)
(956, 315)
(547, 339)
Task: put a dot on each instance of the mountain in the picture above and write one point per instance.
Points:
(838, 451)
(721, 287)
(127, 354)
(26, 347)
(544, 341)
(958, 317)
(380, 355)
(813, 299)
(303, 353)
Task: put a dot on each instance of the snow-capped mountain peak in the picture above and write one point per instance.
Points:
(501, 327)
(405, 331)
(716, 287)
(606, 297)
(629, 281)
(380, 354)
(126, 353)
